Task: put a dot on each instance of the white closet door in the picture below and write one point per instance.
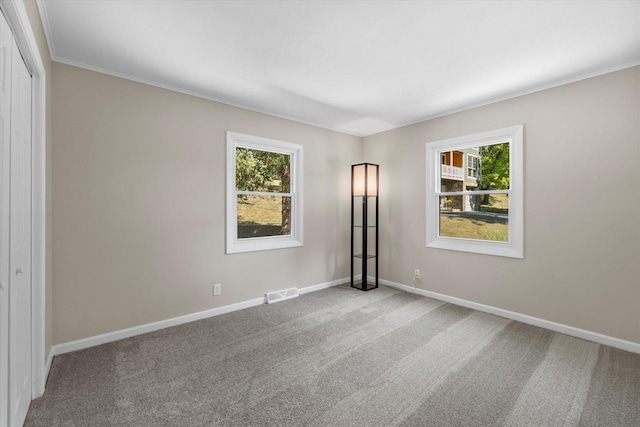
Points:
(6, 44)
(20, 243)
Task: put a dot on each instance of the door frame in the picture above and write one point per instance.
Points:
(16, 15)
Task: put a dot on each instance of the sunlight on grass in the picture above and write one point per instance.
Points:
(264, 210)
(499, 235)
(489, 223)
(499, 201)
(473, 229)
(261, 216)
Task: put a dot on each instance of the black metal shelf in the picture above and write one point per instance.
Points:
(368, 256)
(363, 172)
(369, 285)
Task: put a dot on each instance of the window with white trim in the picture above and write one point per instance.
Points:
(483, 212)
(472, 166)
(264, 193)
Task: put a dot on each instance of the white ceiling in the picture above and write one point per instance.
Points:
(357, 67)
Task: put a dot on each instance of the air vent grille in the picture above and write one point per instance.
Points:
(282, 295)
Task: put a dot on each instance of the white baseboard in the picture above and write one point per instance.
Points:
(557, 327)
(150, 327)
(47, 366)
(324, 285)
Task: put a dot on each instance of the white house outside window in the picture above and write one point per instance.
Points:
(264, 193)
(479, 209)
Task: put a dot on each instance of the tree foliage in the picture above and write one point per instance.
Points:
(258, 170)
(495, 167)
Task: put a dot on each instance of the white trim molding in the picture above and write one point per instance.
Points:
(320, 286)
(295, 153)
(47, 366)
(530, 320)
(175, 321)
(150, 327)
(18, 20)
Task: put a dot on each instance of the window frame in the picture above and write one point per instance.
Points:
(514, 247)
(235, 245)
(474, 166)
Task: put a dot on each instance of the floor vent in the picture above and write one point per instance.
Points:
(282, 295)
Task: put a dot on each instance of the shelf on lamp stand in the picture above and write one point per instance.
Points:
(364, 190)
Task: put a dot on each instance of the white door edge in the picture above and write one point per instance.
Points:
(18, 19)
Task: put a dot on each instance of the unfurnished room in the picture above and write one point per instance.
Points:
(319, 213)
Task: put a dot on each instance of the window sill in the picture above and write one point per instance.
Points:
(263, 244)
(477, 246)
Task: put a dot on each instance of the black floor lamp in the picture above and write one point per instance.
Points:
(364, 224)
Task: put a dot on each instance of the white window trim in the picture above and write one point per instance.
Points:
(515, 246)
(235, 245)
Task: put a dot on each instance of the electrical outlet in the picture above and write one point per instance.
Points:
(217, 289)
(416, 274)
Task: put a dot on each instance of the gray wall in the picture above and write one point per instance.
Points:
(138, 211)
(139, 215)
(582, 198)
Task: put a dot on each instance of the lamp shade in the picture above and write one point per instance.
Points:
(364, 179)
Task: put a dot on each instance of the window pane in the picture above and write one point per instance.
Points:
(452, 171)
(475, 168)
(479, 217)
(258, 170)
(261, 216)
(494, 167)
